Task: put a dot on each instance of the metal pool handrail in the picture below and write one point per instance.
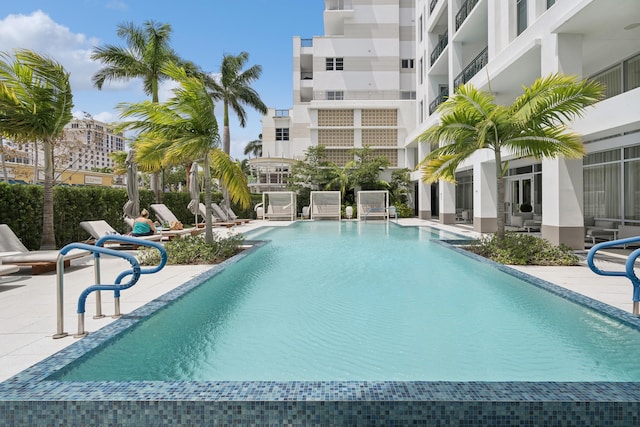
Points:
(629, 267)
(98, 249)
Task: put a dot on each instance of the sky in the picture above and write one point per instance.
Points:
(202, 32)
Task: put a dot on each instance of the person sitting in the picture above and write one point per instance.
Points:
(143, 226)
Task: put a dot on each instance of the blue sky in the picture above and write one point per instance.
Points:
(202, 31)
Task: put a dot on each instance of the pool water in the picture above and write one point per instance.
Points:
(341, 301)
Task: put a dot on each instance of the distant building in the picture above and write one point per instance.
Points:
(85, 147)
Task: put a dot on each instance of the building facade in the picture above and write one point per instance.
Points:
(84, 149)
(348, 94)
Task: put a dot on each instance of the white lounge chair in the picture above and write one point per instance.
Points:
(100, 228)
(218, 217)
(12, 251)
(165, 215)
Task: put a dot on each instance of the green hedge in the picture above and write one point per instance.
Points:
(21, 209)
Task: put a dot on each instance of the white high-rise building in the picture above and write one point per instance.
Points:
(352, 87)
(355, 86)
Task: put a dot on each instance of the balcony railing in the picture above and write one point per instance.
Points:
(432, 5)
(478, 63)
(306, 75)
(437, 51)
(306, 42)
(464, 11)
(282, 113)
(439, 100)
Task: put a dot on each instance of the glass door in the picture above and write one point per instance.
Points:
(519, 193)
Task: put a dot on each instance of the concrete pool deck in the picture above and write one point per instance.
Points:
(28, 303)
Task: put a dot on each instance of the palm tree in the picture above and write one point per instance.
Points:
(254, 147)
(185, 127)
(35, 104)
(147, 51)
(233, 88)
(533, 126)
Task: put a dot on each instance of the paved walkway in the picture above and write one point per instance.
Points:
(28, 303)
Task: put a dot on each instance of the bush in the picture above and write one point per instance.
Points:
(523, 249)
(194, 250)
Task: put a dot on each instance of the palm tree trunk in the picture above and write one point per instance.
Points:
(35, 162)
(48, 235)
(208, 226)
(4, 165)
(226, 147)
(501, 194)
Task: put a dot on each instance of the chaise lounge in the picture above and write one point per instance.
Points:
(164, 214)
(12, 251)
(100, 228)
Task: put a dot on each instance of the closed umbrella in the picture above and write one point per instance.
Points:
(131, 209)
(194, 191)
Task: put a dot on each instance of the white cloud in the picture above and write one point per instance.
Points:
(117, 5)
(38, 32)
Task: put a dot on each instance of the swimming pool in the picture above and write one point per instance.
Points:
(352, 397)
(348, 301)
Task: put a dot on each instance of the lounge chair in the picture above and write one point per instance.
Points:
(7, 268)
(231, 215)
(100, 228)
(216, 215)
(165, 215)
(12, 251)
(598, 229)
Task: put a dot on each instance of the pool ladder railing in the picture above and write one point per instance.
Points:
(387, 210)
(628, 271)
(116, 287)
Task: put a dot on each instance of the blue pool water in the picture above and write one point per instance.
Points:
(329, 301)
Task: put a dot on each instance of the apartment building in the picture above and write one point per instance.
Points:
(352, 87)
(349, 93)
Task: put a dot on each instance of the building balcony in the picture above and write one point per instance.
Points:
(464, 11)
(437, 51)
(478, 63)
(439, 100)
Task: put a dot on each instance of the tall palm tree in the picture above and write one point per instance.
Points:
(146, 52)
(35, 104)
(185, 127)
(254, 147)
(533, 126)
(234, 89)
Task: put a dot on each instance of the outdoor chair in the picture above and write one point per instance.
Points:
(100, 228)
(12, 251)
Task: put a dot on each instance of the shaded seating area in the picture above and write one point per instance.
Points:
(325, 205)
(526, 221)
(373, 204)
(12, 251)
(279, 205)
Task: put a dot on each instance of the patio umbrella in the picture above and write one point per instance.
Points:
(131, 209)
(194, 191)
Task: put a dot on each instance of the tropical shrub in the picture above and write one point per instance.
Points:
(523, 249)
(194, 250)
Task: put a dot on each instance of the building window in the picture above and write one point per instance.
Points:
(521, 15)
(420, 28)
(335, 95)
(407, 63)
(334, 64)
(550, 3)
(408, 95)
(282, 134)
(421, 78)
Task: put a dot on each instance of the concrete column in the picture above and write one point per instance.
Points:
(485, 198)
(424, 200)
(447, 199)
(562, 179)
